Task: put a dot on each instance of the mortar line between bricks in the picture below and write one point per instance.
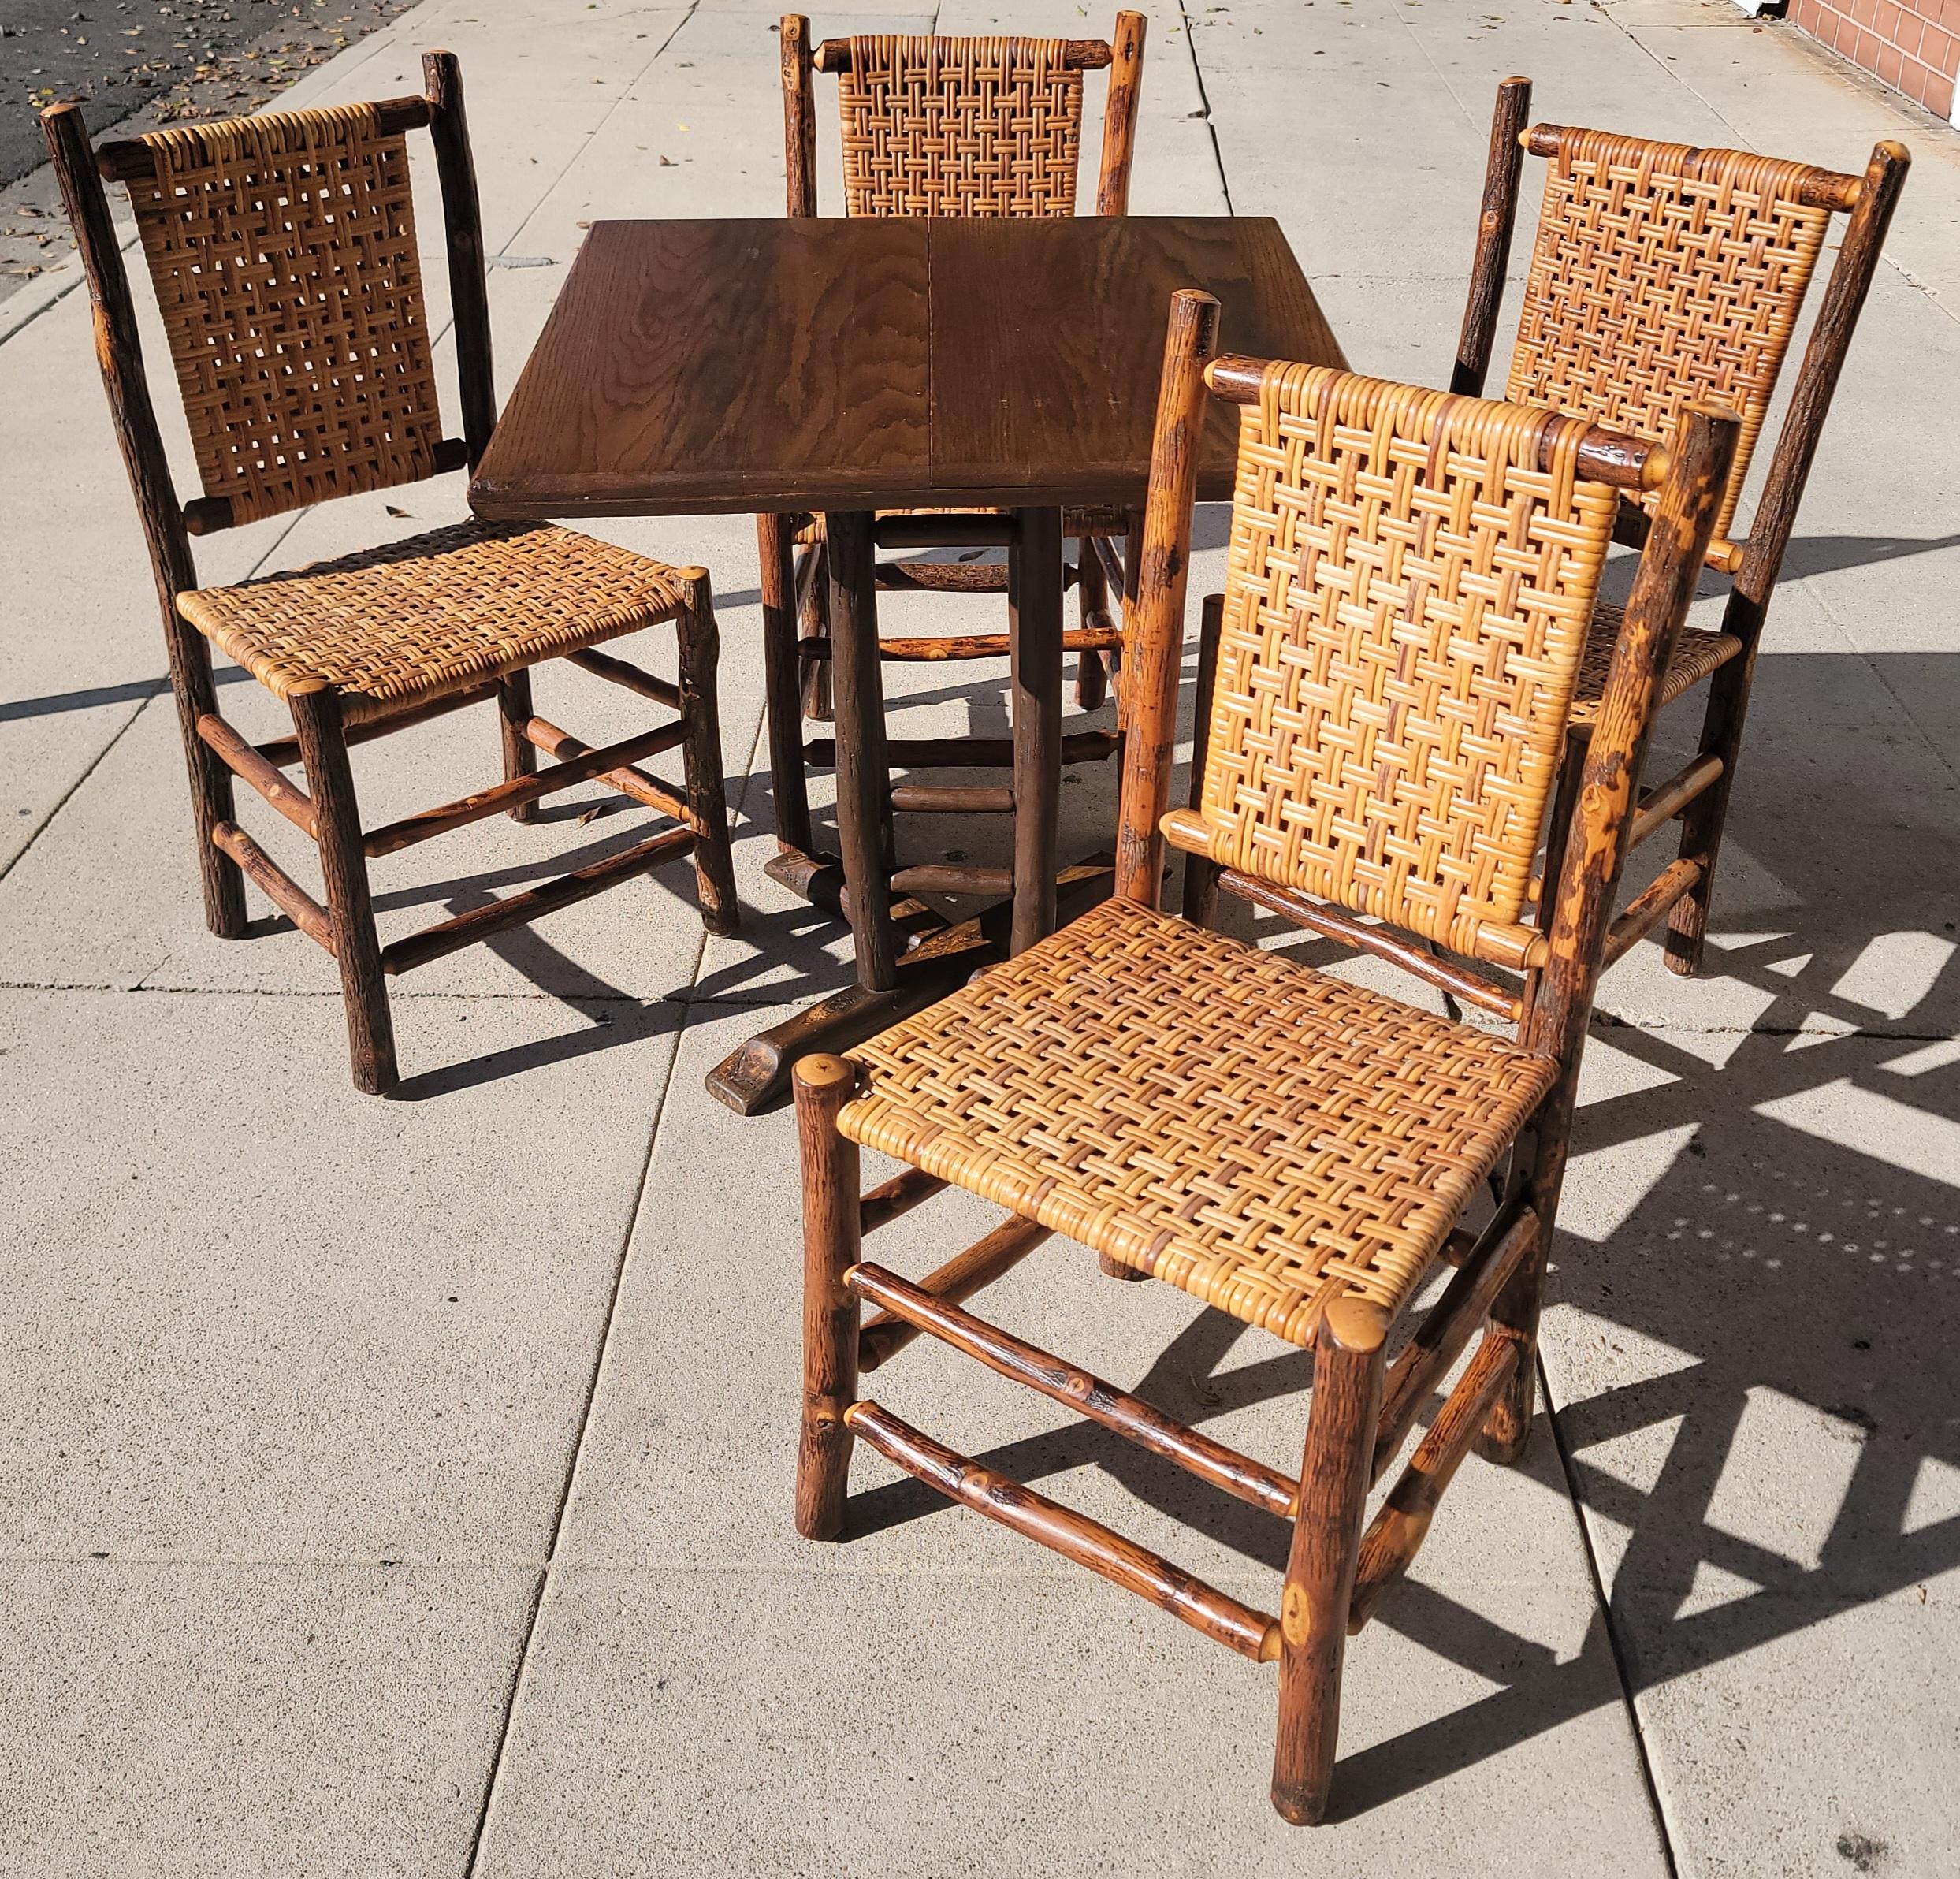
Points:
(1613, 1645)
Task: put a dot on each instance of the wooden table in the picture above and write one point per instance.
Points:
(847, 367)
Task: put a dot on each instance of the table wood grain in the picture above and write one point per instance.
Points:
(691, 367)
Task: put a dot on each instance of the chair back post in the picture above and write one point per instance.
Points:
(1850, 280)
(119, 351)
(1495, 228)
(1119, 113)
(1154, 653)
(463, 227)
(1691, 497)
(799, 114)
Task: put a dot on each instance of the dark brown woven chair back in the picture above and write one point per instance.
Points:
(283, 252)
(945, 126)
(1406, 602)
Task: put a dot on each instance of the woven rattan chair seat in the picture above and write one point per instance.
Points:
(437, 614)
(1698, 654)
(1260, 1134)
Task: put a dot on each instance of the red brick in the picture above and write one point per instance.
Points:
(1940, 51)
(1940, 101)
(1890, 62)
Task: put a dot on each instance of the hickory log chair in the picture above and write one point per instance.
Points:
(949, 127)
(282, 249)
(1410, 578)
(1663, 274)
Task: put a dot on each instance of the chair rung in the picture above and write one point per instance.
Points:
(1427, 1358)
(1647, 909)
(628, 781)
(995, 646)
(908, 1188)
(622, 672)
(1128, 1417)
(282, 751)
(1395, 1533)
(967, 753)
(265, 777)
(987, 1259)
(582, 768)
(1385, 942)
(274, 882)
(1661, 804)
(951, 799)
(520, 909)
(1074, 1536)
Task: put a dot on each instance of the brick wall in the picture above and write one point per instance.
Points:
(1912, 44)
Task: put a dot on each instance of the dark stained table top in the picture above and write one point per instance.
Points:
(695, 367)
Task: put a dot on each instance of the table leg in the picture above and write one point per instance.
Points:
(782, 680)
(1034, 587)
(863, 784)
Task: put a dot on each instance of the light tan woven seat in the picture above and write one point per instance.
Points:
(1698, 654)
(435, 615)
(1260, 1134)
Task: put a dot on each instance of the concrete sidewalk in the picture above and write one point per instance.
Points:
(403, 1487)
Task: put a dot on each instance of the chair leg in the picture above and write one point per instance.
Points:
(831, 1224)
(211, 799)
(1702, 821)
(1092, 597)
(1514, 1314)
(700, 752)
(814, 623)
(520, 754)
(1333, 1493)
(316, 717)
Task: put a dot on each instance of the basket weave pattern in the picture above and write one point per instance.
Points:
(1664, 276)
(960, 127)
(1697, 654)
(283, 251)
(437, 614)
(1406, 604)
(1257, 1133)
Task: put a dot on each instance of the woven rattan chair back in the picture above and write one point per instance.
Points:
(960, 126)
(282, 249)
(935, 125)
(1664, 276)
(1406, 602)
